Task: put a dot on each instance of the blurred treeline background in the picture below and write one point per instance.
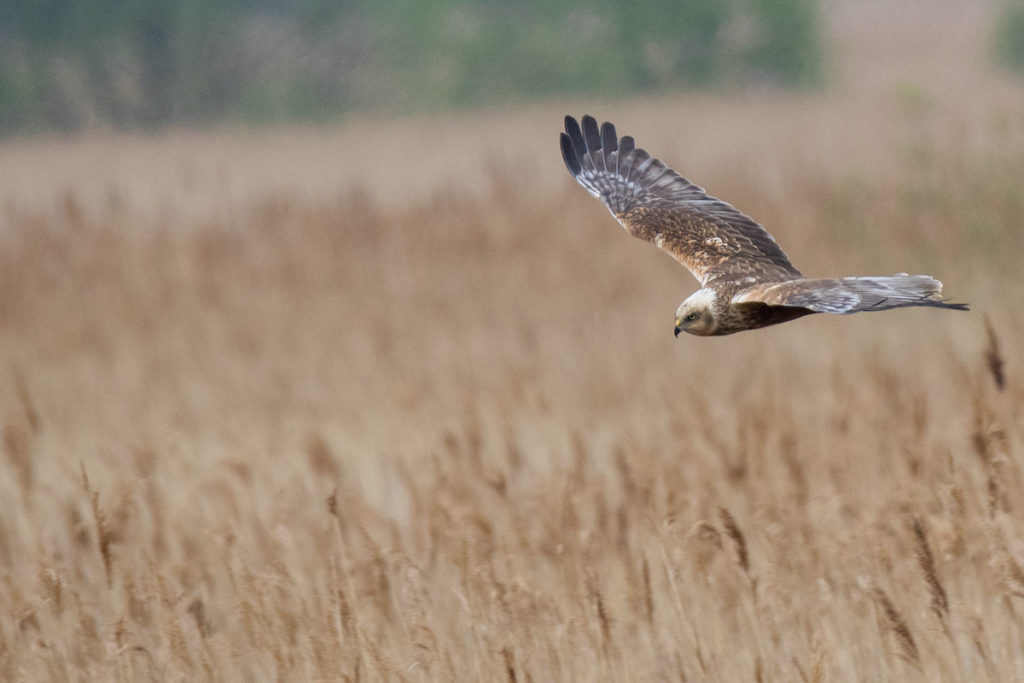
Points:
(72, 64)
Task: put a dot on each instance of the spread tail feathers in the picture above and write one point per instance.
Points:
(856, 294)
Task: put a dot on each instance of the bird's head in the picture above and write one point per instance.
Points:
(696, 315)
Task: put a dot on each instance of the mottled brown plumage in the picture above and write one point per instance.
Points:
(747, 280)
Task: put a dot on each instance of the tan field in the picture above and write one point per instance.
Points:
(397, 400)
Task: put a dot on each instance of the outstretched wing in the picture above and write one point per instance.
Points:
(850, 294)
(708, 236)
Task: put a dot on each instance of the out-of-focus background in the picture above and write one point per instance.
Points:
(71, 65)
(315, 364)
(144, 64)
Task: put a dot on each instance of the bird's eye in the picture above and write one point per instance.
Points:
(691, 317)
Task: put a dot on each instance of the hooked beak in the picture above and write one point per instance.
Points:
(678, 330)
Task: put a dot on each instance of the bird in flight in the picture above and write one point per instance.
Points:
(747, 282)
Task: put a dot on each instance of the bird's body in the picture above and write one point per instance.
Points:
(747, 280)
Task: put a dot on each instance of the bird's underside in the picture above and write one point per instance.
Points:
(747, 282)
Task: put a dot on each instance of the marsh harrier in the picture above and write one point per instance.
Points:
(746, 280)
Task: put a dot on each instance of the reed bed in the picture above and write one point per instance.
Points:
(338, 409)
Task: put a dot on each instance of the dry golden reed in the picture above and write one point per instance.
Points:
(898, 628)
(732, 530)
(17, 444)
(939, 601)
(993, 357)
(100, 521)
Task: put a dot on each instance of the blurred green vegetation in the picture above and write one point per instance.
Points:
(68, 64)
(1009, 36)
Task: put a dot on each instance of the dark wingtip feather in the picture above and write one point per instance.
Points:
(571, 126)
(609, 141)
(589, 125)
(572, 129)
(592, 137)
(626, 145)
(609, 145)
(572, 162)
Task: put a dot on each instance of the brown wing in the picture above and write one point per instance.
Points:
(849, 294)
(711, 238)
